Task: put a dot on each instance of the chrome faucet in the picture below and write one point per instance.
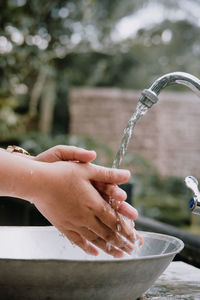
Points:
(150, 97)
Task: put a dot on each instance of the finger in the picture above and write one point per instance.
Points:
(116, 197)
(81, 242)
(123, 208)
(102, 217)
(100, 243)
(111, 190)
(75, 154)
(65, 153)
(128, 211)
(108, 175)
(139, 237)
(110, 236)
(111, 218)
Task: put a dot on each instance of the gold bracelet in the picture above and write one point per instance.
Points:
(18, 149)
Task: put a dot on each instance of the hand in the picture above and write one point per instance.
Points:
(111, 193)
(65, 196)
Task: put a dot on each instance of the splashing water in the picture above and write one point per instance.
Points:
(108, 246)
(119, 227)
(135, 252)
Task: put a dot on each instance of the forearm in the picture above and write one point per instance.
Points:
(17, 175)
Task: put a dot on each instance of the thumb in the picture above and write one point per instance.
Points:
(75, 154)
(66, 153)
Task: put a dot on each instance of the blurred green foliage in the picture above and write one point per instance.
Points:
(77, 43)
(35, 143)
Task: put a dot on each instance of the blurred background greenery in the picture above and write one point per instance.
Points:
(47, 47)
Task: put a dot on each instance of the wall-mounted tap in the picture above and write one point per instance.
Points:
(150, 97)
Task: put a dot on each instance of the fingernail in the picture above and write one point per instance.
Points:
(124, 173)
(92, 151)
(133, 210)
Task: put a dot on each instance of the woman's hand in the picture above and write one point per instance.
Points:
(114, 195)
(66, 197)
(63, 192)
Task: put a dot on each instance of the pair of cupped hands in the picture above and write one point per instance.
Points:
(74, 195)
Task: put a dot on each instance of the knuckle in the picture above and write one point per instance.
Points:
(95, 240)
(106, 173)
(109, 174)
(109, 236)
(57, 150)
(73, 151)
(57, 147)
(76, 239)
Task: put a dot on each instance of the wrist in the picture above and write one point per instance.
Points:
(18, 175)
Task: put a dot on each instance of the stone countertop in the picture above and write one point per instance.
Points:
(180, 281)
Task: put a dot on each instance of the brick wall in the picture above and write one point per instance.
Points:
(168, 134)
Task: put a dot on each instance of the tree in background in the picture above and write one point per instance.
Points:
(48, 46)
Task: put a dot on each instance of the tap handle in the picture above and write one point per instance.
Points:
(192, 183)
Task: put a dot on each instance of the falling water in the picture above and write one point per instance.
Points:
(141, 109)
(136, 249)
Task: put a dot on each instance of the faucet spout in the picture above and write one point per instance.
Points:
(150, 96)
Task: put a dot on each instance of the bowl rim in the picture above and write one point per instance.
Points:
(179, 248)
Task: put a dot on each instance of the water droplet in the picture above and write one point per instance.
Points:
(111, 200)
(108, 246)
(117, 204)
(61, 234)
(136, 249)
(119, 227)
(31, 202)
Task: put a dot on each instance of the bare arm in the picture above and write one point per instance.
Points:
(63, 193)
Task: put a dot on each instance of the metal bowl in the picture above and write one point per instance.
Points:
(39, 263)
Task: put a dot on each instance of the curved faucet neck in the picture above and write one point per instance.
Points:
(149, 96)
